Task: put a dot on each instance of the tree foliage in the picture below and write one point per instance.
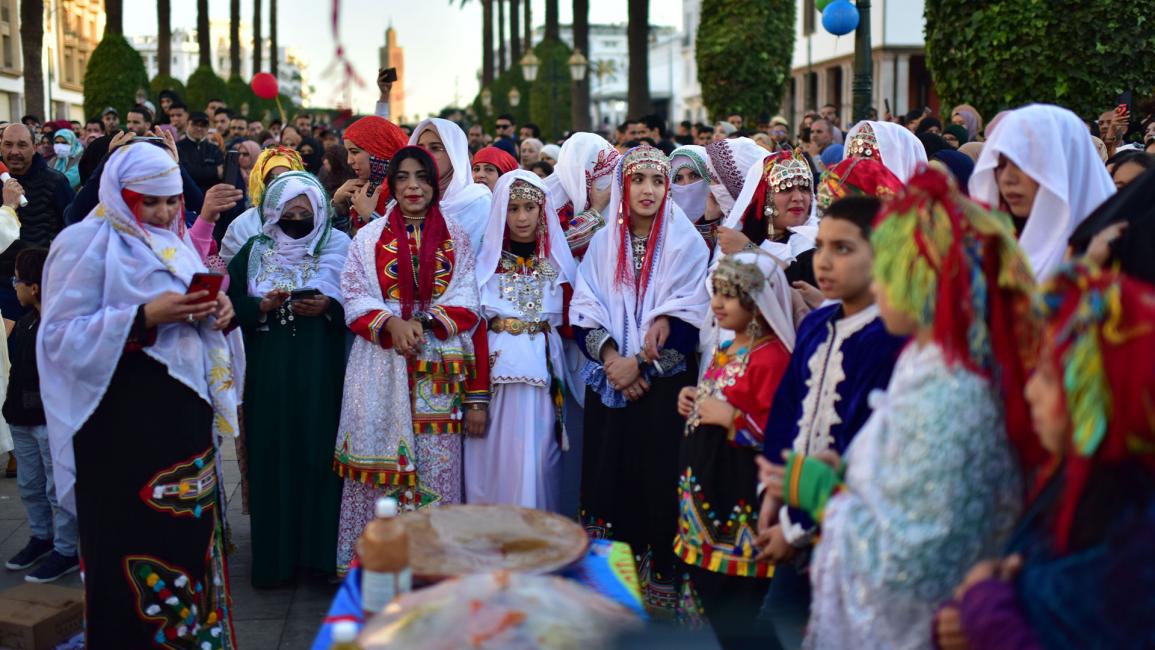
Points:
(203, 85)
(549, 105)
(160, 83)
(1080, 54)
(114, 73)
(744, 50)
(499, 102)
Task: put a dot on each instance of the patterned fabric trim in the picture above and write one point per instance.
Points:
(376, 471)
(595, 341)
(582, 229)
(187, 612)
(659, 593)
(438, 312)
(186, 489)
(705, 540)
(376, 325)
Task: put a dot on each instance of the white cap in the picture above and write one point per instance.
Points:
(386, 508)
(344, 632)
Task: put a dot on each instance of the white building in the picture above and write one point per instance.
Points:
(687, 104)
(291, 70)
(823, 64)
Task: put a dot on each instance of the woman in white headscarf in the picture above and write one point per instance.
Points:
(523, 266)
(690, 189)
(286, 285)
(139, 382)
(725, 414)
(580, 187)
(1041, 166)
(462, 200)
(639, 300)
(893, 145)
(728, 161)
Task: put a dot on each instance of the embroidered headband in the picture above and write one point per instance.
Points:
(864, 144)
(736, 279)
(645, 157)
(789, 172)
(523, 191)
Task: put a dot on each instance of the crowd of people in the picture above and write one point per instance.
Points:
(886, 386)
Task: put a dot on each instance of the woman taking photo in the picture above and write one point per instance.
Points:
(139, 383)
(414, 380)
(285, 284)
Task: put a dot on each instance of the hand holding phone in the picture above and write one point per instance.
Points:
(301, 294)
(232, 175)
(210, 282)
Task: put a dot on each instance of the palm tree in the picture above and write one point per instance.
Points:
(273, 53)
(257, 67)
(638, 36)
(113, 16)
(551, 20)
(528, 24)
(486, 42)
(500, 37)
(204, 38)
(580, 104)
(163, 38)
(31, 44)
(234, 38)
(515, 50)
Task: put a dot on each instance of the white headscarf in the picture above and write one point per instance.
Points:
(463, 201)
(277, 261)
(676, 288)
(98, 273)
(728, 161)
(1051, 145)
(551, 151)
(691, 197)
(585, 159)
(900, 150)
(773, 300)
(795, 245)
(490, 254)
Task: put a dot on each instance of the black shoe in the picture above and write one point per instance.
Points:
(31, 554)
(54, 568)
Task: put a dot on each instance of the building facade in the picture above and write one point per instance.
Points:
(392, 55)
(823, 64)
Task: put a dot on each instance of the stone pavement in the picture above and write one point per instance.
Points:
(266, 619)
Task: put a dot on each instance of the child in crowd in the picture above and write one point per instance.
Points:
(53, 528)
(843, 354)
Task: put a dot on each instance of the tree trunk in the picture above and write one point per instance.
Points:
(257, 37)
(274, 53)
(234, 38)
(638, 35)
(164, 38)
(528, 24)
(515, 50)
(551, 20)
(500, 37)
(204, 38)
(580, 104)
(486, 42)
(32, 45)
(113, 16)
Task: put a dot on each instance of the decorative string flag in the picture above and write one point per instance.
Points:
(341, 60)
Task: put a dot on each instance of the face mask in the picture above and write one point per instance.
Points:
(296, 229)
(62, 150)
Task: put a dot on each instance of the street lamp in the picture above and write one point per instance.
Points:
(514, 97)
(486, 100)
(577, 66)
(529, 65)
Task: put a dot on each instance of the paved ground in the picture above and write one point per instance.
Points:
(278, 619)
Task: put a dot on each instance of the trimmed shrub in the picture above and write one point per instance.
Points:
(744, 75)
(114, 73)
(203, 85)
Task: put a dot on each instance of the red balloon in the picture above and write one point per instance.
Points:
(264, 85)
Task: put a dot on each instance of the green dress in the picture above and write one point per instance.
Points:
(294, 377)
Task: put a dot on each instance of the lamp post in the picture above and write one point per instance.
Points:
(579, 96)
(487, 100)
(863, 85)
(514, 97)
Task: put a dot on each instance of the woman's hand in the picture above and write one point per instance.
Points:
(713, 209)
(119, 140)
(714, 411)
(225, 311)
(1004, 569)
(600, 199)
(809, 293)
(273, 300)
(169, 142)
(344, 194)
(221, 197)
(655, 338)
(384, 86)
(621, 371)
(731, 241)
(686, 399)
(407, 335)
(315, 306)
(475, 422)
(773, 477)
(774, 546)
(637, 390)
(364, 201)
(12, 193)
(173, 307)
(948, 629)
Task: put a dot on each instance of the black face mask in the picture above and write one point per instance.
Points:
(296, 229)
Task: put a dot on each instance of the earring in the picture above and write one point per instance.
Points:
(754, 330)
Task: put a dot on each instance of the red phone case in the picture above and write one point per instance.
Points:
(210, 282)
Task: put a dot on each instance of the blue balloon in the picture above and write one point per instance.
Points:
(840, 17)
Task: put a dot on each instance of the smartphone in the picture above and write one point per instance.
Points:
(148, 138)
(1123, 103)
(886, 103)
(232, 175)
(210, 282)
(390, 75)
(378, 167)
(299, 294)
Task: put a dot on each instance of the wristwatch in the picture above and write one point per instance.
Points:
(425, 319)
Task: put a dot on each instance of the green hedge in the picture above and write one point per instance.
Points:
(740, 73)
(203, 85)
(996, 54)
(160, 83)
(115, 72)
(549, 105)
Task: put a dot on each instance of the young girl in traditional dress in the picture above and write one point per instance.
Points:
(523, 266)
(725, 414)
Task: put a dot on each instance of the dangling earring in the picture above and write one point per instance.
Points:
(771, 212)
(754, 329)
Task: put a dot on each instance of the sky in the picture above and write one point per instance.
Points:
(441, 39)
